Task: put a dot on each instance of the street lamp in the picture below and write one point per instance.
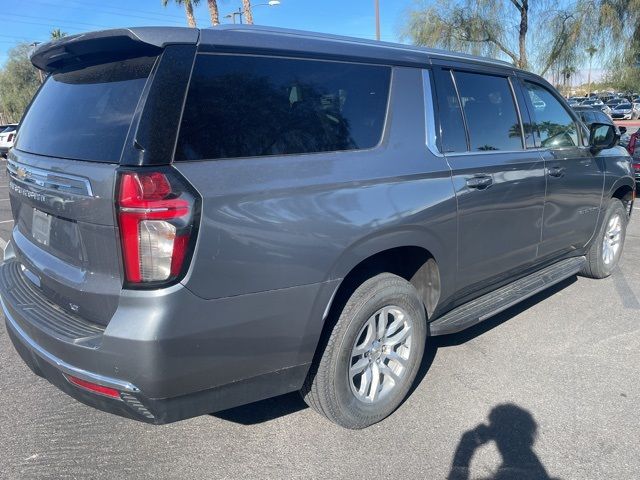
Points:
(377, 9)
(240, 12)
(34, 45)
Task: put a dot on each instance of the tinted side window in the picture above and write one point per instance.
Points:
(554, 124)
(250, 106)
(452, 136)
(489, 108)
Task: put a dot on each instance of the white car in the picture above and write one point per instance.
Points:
(7, 137)
(624, 111)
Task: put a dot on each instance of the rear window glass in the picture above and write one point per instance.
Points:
(251, 106)
(85, 114)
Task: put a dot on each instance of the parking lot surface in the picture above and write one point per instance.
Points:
(547, 389)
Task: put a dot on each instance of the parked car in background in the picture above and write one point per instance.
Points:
(616, 101)
(594, 102)
(624, 111)
(7, 137)
(590, 115)
(250, 211)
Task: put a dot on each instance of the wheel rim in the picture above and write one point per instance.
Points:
(380, 354)
(612, 240)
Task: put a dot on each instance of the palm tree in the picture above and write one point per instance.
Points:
(567, 73)
(246, 7)
(188, 7)
(591, 50)
(57, 34)
(213, 12)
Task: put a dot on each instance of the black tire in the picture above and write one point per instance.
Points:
(596, 266)
(328, 388)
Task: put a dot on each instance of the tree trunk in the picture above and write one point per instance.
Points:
(246, 7)
(213, 12)
(191, 19)
(524, 26)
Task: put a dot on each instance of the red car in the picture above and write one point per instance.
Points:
(633, 147)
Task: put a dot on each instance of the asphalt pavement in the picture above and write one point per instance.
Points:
(548, 389)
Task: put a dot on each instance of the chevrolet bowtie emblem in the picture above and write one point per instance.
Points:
(22, 173)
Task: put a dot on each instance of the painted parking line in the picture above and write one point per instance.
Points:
(6, 221)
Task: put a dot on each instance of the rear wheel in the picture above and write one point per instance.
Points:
(606, 249)
(370, 358)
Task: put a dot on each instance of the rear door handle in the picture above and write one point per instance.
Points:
(555, 172)
(480, 182)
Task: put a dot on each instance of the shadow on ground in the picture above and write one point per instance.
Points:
(513, 431)
(264, 410)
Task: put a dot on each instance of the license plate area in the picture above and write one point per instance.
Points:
(41, 227)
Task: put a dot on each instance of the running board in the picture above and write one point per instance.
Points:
(495, 302)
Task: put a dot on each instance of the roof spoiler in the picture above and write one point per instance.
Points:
(94, 47)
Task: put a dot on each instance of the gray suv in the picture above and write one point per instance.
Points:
(225, 215)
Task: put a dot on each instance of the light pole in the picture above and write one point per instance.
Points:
(377, 7)
(34, 45)
(240, 13)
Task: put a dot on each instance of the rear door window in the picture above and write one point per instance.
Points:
(253, 106)
(490, 112)
(85, 114)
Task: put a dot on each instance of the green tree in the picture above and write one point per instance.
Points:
(188, 8)
(618, 23)
(18, 82)
(57, 34)
(486, 27)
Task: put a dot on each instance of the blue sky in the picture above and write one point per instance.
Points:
(32, 20)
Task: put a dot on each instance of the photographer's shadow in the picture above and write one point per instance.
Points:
(513, 431)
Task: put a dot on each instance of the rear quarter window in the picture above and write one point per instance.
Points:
(85, 114)
(253, 106)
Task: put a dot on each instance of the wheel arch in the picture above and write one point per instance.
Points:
(623, 190)
(415, 255)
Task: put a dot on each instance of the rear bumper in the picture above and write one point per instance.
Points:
(170, 355)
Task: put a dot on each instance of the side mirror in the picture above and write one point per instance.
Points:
(602, 136)
(622, 130)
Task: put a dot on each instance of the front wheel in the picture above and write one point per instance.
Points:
(369, 360)
(606, 249)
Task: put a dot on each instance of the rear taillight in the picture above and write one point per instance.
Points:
(10, 137)
(157, 215)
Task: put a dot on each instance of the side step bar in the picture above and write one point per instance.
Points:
(495, 302)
